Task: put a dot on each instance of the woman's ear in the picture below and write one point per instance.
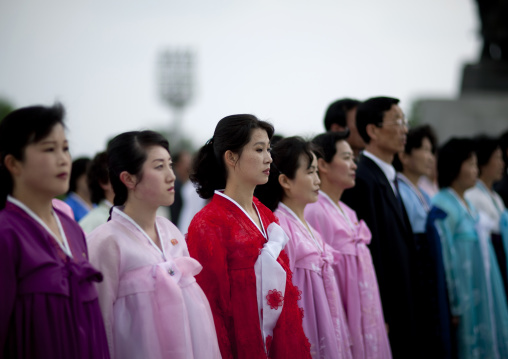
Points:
(322, 166)
(12, 164)
(284, 182)
(230, 158)
(128, 180)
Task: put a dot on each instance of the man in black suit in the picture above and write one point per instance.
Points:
(375, 199)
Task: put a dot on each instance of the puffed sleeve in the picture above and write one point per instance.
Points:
(206, 245)
(105, 256)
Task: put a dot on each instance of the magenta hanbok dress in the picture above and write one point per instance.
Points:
(357, 279)
(151, 304)
(311, 260)
(48, 302)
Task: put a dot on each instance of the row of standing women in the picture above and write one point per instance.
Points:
(139, 296)
(461, 250)
(288, 275)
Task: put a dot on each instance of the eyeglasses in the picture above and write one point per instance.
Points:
(401, 122)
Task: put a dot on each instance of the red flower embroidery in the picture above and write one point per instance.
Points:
(274, 299)
(268, 343)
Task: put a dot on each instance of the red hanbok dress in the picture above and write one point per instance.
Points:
(227, 243)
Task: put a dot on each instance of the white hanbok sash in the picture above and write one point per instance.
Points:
(270, 276)
(270, 281)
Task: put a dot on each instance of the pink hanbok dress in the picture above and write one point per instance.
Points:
(151, 304)
(311, 260)
(340, 228)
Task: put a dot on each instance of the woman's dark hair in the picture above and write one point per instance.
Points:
(128, 152)
(79, 168)
(275, 138)
(286, 155)
(96, 175)
(450, 158)
(485, 146)
(414, 141)
(232, 133)
(325, 144)
(19, 129)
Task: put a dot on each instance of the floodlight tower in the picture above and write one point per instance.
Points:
(176, 86)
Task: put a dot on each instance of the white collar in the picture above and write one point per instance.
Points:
(337, 207)
(80, 200)
(162, 252)
(416, 190)
(492, 195)
(466, 205)
(307, 228)
(105, 203)
(387, 168)
(64, 245)
(262, 229)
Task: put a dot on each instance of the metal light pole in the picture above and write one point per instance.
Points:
(176, 87)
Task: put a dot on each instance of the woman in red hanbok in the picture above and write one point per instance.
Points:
(239, 243)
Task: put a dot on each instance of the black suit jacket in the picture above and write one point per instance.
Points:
(392, 249)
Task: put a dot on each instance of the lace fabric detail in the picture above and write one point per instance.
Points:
(275, 299)
(299, 297)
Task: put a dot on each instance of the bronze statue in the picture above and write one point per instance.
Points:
(494, 29)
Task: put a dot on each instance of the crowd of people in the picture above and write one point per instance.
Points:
(368, 241)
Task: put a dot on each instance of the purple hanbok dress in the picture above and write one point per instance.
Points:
(357, 279)
(311, 260)
(48, 301)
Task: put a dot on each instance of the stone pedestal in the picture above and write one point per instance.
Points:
(469, 115)
(485, 77)
(482, 107)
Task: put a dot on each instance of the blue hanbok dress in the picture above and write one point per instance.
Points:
(431, 298)
(474, 284)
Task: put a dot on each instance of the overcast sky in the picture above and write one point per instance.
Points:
(281, 60)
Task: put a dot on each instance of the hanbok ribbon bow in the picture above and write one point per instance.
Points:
(182, 270)
(171, 279)
(270, 282)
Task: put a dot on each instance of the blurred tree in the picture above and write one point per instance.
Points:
(415, 115)
(5, 108)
